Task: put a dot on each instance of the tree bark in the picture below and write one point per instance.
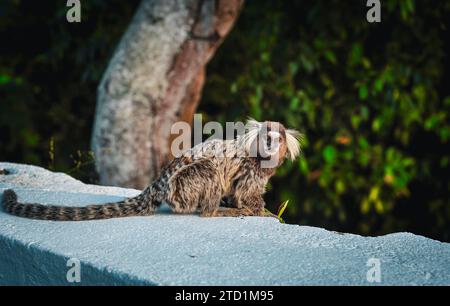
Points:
(154, 79)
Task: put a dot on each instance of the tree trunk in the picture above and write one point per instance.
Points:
(154, 79)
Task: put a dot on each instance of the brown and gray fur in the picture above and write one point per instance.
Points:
(192, 181)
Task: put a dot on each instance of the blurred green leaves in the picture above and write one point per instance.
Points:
(4, 79)
(329, 154)
(371, 99)
(368, 97)
(49, 72)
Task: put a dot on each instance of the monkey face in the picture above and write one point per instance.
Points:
(271, 142)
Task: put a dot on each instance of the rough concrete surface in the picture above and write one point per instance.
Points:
(169, 249)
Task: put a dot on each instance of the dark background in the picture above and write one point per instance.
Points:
(371, 99)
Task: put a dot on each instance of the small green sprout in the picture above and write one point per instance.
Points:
(282, 207)
(281, 210)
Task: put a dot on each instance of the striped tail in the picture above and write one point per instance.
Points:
(137, 206)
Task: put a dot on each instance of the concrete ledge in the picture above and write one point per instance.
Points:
(167, 249)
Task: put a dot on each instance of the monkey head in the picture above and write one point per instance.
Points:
(270, 142)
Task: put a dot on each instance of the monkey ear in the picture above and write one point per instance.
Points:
(252, 124)
(293, 139)
(248, 140)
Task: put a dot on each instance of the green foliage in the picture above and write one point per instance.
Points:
(371, 99)
(281, 210)
(49, 72)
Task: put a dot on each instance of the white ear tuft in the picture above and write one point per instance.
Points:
(252, 124)
(293, 139)
(249, 138)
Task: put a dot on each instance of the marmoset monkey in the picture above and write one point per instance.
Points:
(198, 179)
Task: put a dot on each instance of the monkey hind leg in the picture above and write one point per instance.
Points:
(238, 212)
(230, 212)
(195, 186)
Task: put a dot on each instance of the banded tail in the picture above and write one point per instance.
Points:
(143, 204)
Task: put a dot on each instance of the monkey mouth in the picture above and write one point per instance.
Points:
(272, 150)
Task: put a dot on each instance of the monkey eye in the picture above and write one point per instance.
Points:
(273, 138)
